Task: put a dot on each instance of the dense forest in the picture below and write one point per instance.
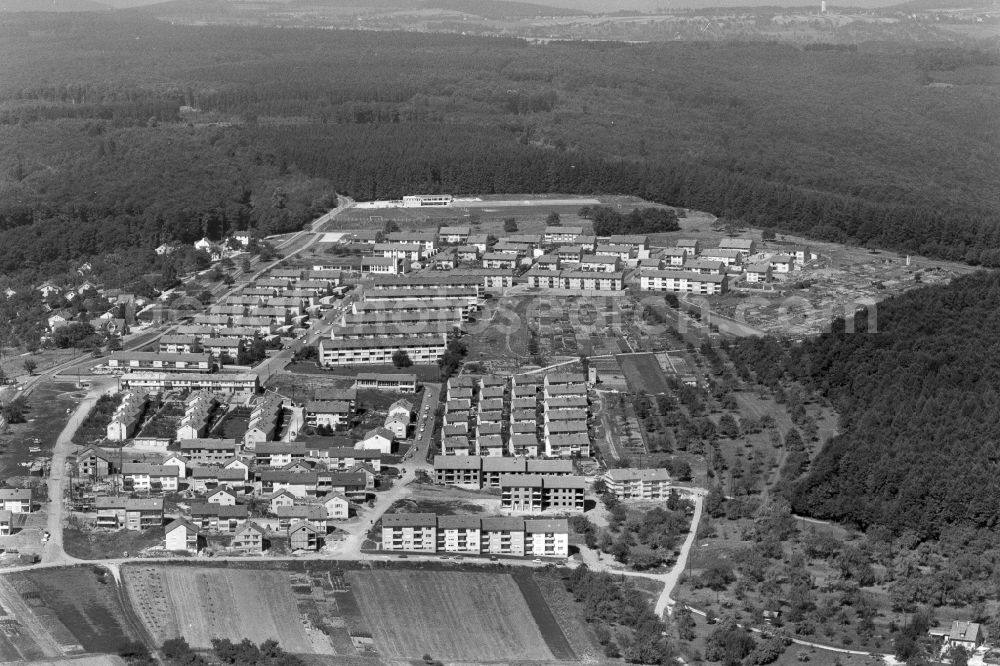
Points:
(124, 132)
(919, 400)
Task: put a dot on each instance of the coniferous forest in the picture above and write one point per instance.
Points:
(125, 132)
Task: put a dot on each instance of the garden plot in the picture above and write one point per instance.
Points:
(201, 603)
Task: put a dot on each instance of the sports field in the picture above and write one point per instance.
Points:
(205, 603)
(643, 373)
(455, 616)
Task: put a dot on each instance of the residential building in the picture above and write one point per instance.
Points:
(147, 477)
(217, 382)
(209, 451)
(329, 413)
(409, 532)
(464, 471)
(94, 462)
(632, 483)
(128, 513)
(756, 273)
(397, 383)
(459, 534)
(137, 360)
(181, 536)
(304, 536)
(782, 263)
(546, 538)
(380, 351)
(219, 517)
(533, 493)
(249, 539)
(379, 439)
(682, 282)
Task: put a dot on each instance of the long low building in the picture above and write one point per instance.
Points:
(575, 280)
(479, 471)
(218, 382)
(687, 282)
(380, 351)
(132, 360)
(472, 535)
(379, 381)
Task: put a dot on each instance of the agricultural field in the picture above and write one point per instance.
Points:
(201, 603)
(61, 612)
(457, 616)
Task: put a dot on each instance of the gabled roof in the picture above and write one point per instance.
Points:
(181, 522)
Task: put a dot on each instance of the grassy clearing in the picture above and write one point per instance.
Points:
(460, 616)
(643, 373)
(100, 545)
(46, 417)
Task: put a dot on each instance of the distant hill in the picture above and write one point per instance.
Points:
(929, 5)
(500, 9)
(7, 6)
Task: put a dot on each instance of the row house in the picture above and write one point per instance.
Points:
(264, 420)
(364, 352)
(456, 310)
(674, 256)
(454, 235)
(455, 444)
(217, 383)
(560, 234)
(177, 344)
(622, 253)
(209, 451)
(637, 243)
(600, 263)
(466, 297)
(683, 282)
(136, 360)
(224, 347)
(440, 327)
(705, 266)
(413, 252)
(564, 445)
(427, 239)
(198, 410)
(725, 256)
(128, 415)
